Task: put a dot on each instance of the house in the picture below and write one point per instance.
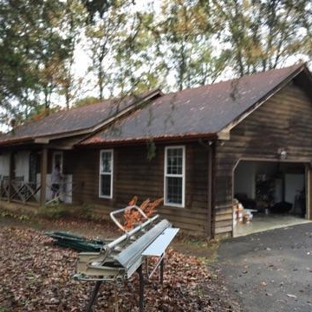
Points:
(29, 152)
(198, 148)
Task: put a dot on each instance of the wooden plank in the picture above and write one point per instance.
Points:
(160, 244)
(224, 217)
(222, 230)
(224, 223)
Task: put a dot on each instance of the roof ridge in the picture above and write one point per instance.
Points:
(232, 80)
(199, 111)
(106, 102)
(80, 120)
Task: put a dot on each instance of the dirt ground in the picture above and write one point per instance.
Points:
(194, 287)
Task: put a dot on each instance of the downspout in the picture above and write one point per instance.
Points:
(210, 147)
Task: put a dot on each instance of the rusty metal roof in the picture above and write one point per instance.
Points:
(69, 122)
(197, 112)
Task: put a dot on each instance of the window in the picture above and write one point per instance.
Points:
(174, 176)
(106, 174)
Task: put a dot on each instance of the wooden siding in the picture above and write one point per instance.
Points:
(83, 165)
(284, 121)
(134, 175)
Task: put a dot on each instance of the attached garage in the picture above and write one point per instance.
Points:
(265, 162)
(272, 194)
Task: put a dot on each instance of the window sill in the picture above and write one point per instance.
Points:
(105, 197)
(173, 205)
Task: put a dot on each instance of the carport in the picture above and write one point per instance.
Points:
(274, 193)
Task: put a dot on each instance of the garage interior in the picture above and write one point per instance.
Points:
(268, 195)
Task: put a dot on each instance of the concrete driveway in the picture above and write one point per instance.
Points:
(270, 271)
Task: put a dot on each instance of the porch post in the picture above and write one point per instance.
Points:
(11, 174)
(44, 169)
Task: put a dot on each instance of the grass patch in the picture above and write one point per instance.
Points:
(13, 214)
(54, 212)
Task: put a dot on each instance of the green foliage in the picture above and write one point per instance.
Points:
(54, 212)
(262, 35)
(14, 215)
(84, 212)
(110, 37)
(59, 211)
(86, 101)
(34, 47)
(168, 44)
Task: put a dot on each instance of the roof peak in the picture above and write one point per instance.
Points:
(207, 110)
(291, 68)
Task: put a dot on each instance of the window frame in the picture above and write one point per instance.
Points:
(182, 176)
(111, 151)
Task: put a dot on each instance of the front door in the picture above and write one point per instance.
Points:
(57, 160)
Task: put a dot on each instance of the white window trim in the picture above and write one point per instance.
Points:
(182, 205)
(111, 173)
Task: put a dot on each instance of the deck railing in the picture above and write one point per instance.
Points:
(20, 191)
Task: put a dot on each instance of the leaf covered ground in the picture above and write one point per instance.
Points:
(36, 275)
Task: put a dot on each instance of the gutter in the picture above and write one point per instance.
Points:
(143, 140)
(10, 142)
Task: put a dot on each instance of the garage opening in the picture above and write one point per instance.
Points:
(268, 195)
